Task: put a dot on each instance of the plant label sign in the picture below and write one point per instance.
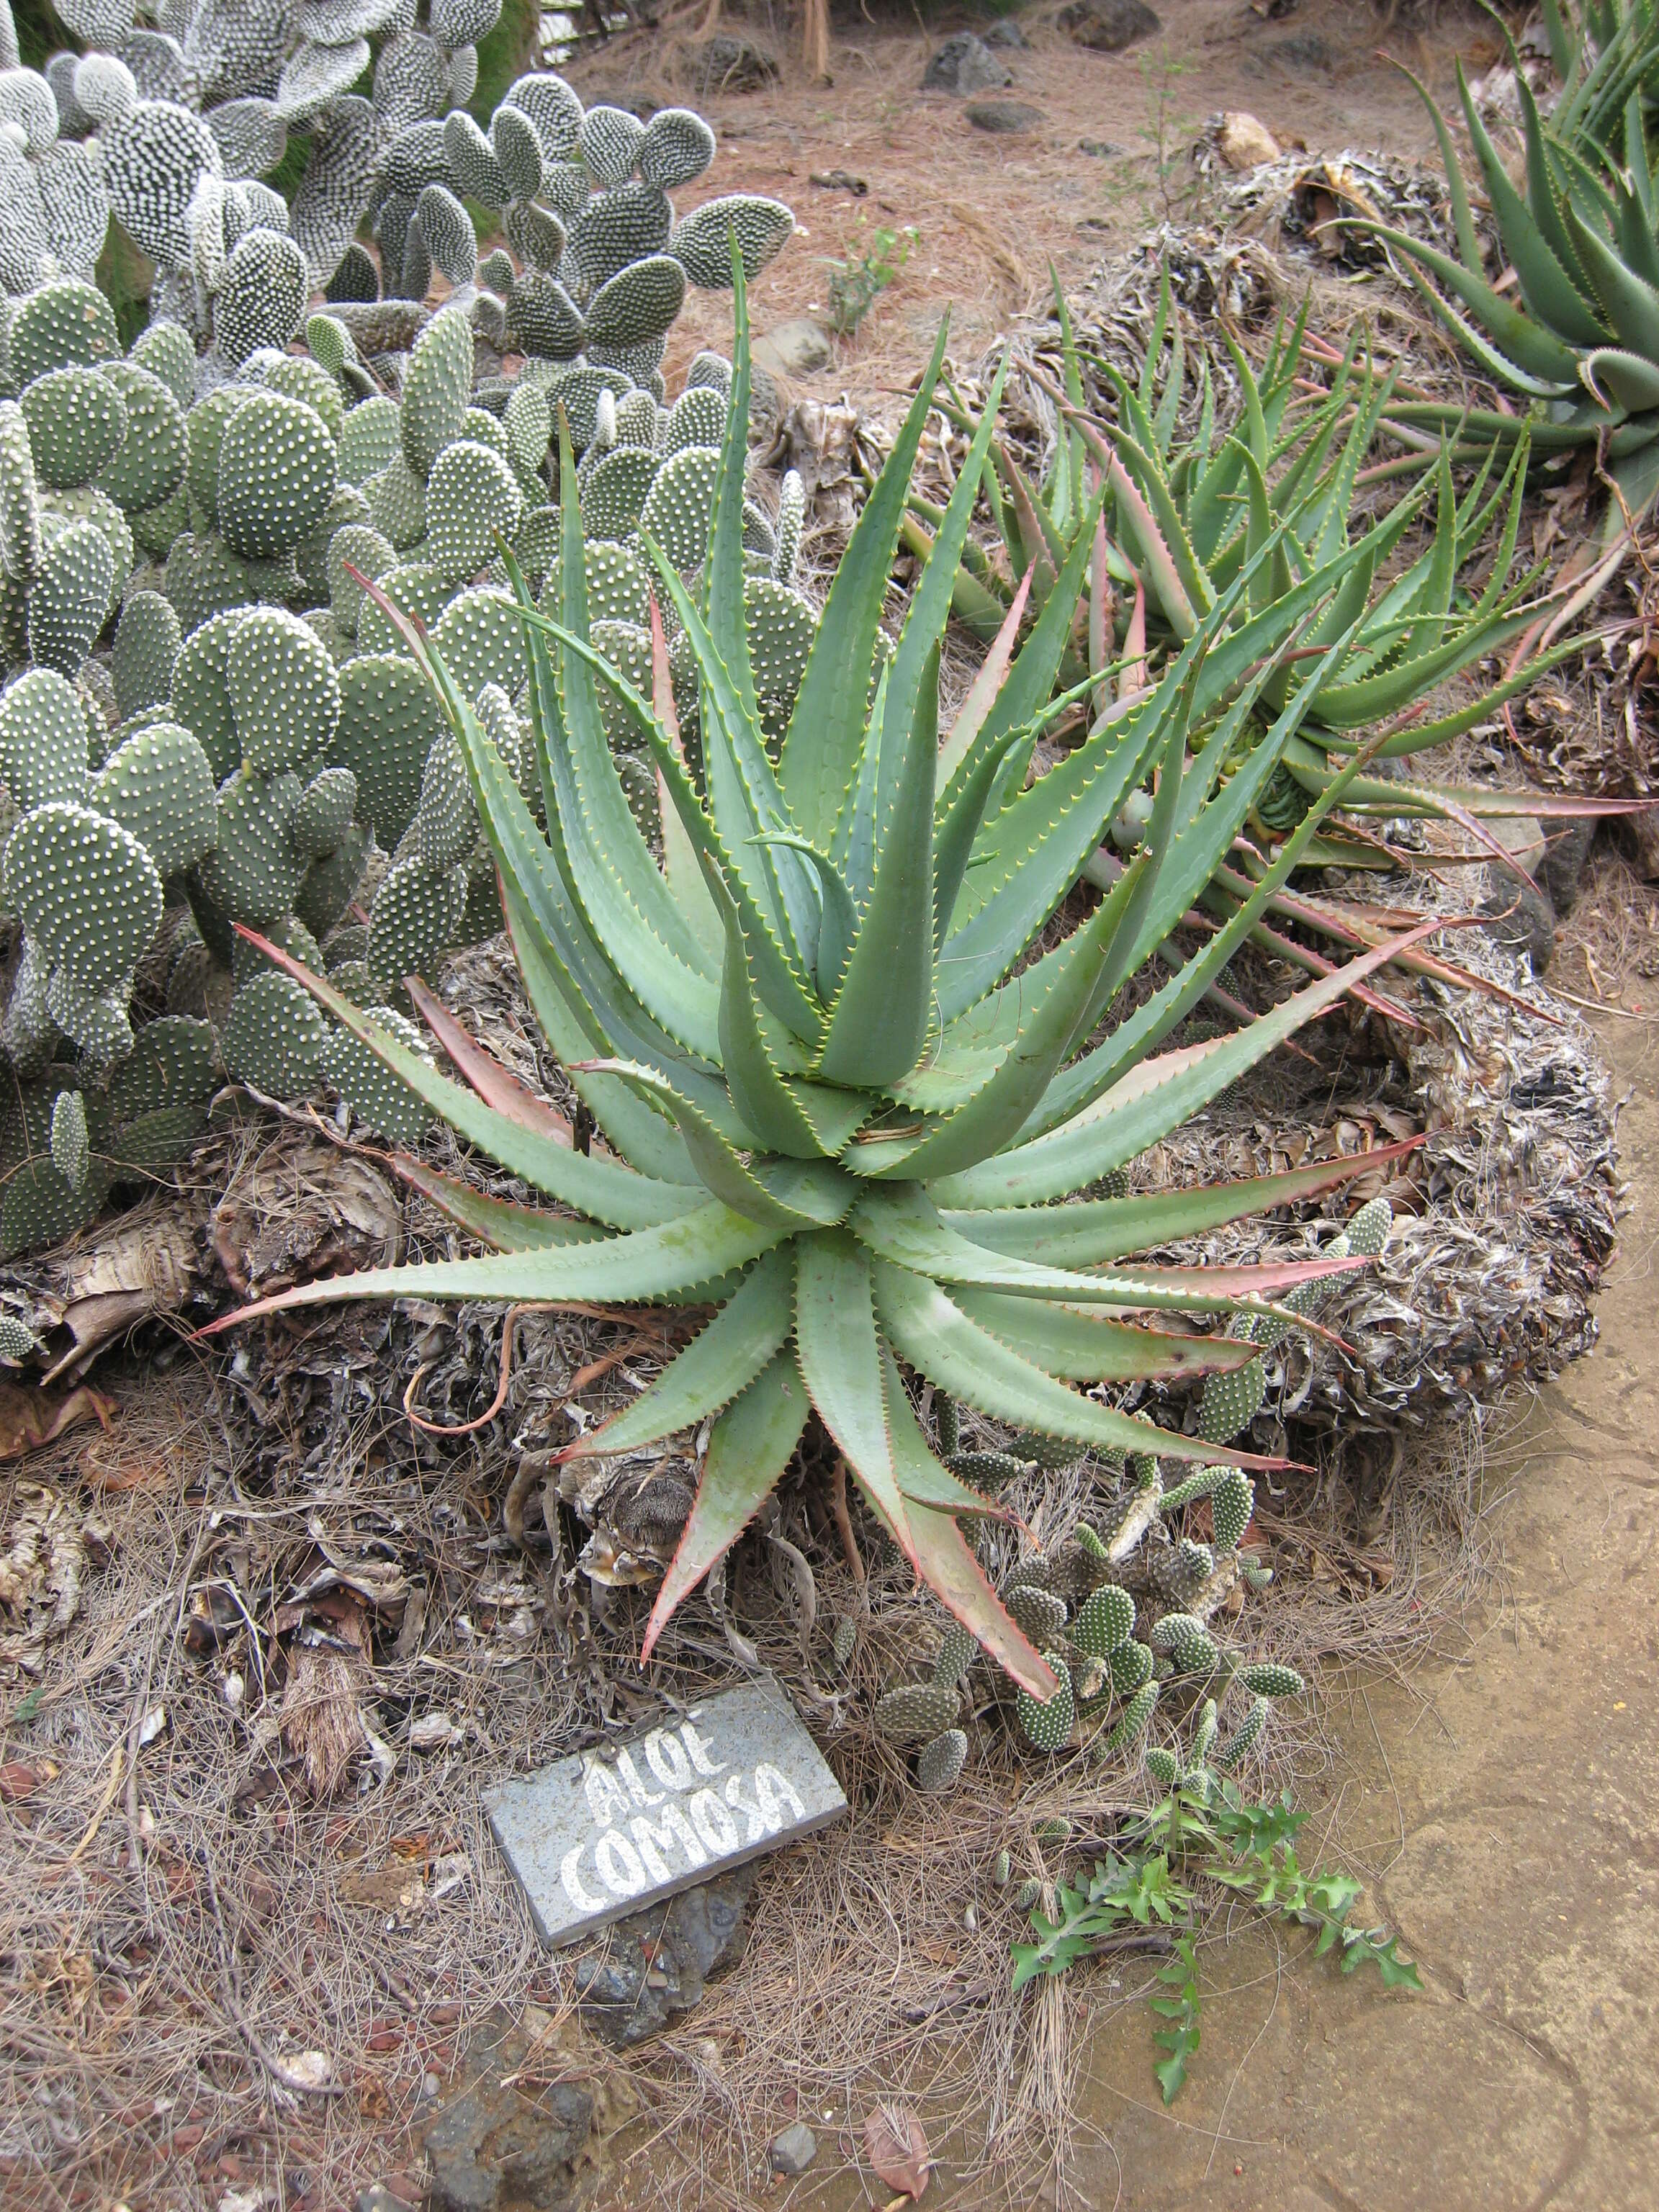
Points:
(615, 1829)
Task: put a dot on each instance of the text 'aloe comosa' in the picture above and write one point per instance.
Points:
(846, 1099)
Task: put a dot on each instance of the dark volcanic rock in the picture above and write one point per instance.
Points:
(726, 64)
(1106, 27)
(963, 64)
(655, 1964)
(498, 2146)
(1004, 115)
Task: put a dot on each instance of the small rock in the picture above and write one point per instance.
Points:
(1519, 915)
(794, 2151)
(1005, 116)
(1102, 148)
(1522, 837)
(1106, 27)
(1006, 34)
(727, 63)
(1566, 849)
(1304, 50)
(655, 1965)
(492, 2149)
(794, 349)
(1244, 143)
(963, 64)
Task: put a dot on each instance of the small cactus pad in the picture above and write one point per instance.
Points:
(940, 1762)
(1105, 1621)
(1271, 1678)
(471, 496)
(283, 687)
(158, 786)
(437, 388)
(1232, 1505)
(76, 420)
(1048, 1726)
(146, 639)
(702, 244)
(916, 1711)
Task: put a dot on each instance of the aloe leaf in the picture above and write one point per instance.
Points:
(601, 1189)
(943, 1560)
(722, 590)
(939, 1341)
(495, 1221)
(821, 751)
(643, 1264)
(823, 1195)
(838, 916)
(913, 679)
(782, 985)
(1030, 681)
(1632, 380)
(840, 1356)
(1144, 525)
(682, 870)
(750, 1445)
(982, 692)
(494, 1083)
(1052, 997)
(770, 1106)
(1081, 1348)
(880, 1021)
(744, 799)
(644, 1139)
(713, 1369)
(900, 1224)
(1545, 286)
(1144, 1105)
(1531, 344)
(1092, 1230)
(592, 802)
(1630, 304)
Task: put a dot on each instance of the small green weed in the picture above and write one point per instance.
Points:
(1204, 1835)
(856, 283)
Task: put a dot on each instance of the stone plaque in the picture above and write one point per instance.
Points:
(614, 1829)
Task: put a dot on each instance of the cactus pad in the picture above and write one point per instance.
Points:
(701, 243)
(416, 913)
(72, 598)
(1271, 1678)
(43, 740)
(916, 1711)
(283, 688)
(1104, 1623)
(276, 473)
(1048, 1726)
(76, 421)
(471, 496)
(939, 1765)
(85, 890)
(437, 388)
(275, 1037)
(381, 1100)
(153, 457)
(158, 786)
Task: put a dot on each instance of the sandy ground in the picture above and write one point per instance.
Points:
(991, 211)
(1501, 1804)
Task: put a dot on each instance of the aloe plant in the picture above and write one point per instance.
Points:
(848, 1100)
(1581, 232)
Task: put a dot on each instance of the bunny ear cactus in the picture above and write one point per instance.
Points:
(832, 1108)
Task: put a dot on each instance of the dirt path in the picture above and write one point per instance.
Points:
(1502, 1806)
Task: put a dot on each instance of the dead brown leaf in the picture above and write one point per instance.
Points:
(895, 2146)
(29, 1418)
